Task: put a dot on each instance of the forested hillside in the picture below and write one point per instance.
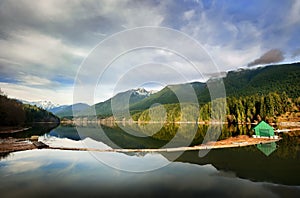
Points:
(274, 78)
(14, 113)
(252, 95)
(238, 110)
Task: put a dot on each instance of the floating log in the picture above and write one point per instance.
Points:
(211, 145)
(12, 145)
(40, 145)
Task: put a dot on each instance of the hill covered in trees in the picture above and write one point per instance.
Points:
(252, 95)
(246, 82)
(14, 113)
(263, 80)
(253, 108)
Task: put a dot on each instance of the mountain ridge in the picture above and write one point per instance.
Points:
(242, 82)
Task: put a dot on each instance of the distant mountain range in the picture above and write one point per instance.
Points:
(103, 108)
(67, 110)
(47, 105)
(59, 110)
(243, 82)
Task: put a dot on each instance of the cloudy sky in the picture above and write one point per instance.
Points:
(44, 43)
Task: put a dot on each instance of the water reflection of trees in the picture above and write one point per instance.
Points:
(184, 132)
(156, 135)
(281, 166)
(36, 129)
(288, 147)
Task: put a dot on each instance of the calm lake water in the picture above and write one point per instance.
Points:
(271, 170)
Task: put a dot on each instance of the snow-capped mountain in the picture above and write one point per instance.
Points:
(44, 104)
(143, 92)
(57, 108)
(153, 91)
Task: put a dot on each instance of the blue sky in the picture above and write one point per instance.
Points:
(43, 43)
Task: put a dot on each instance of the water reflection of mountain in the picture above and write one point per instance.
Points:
(113, 137)
(282, 166)
(65, 131)
(147, 135)
(137, 136)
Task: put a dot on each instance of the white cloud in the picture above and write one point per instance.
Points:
(230, 44)
(139, 16)
(35, 81)
(293, 17)
(60, 95)
(31, 47)
(23, 166)
(43, 43)
(228, 58)
(188, 14)
(36, 59)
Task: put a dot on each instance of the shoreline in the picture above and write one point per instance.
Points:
(81, 122)
(9, 130)
(17, 129)
(10, 145)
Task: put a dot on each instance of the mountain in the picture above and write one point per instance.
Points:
(119, 101)
(252, 94)
(67, 110)
(57, 109)
(167, 95)
(47, 105)
(273, 78)
(282, 78)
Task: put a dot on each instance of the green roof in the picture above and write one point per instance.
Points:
(264, 129)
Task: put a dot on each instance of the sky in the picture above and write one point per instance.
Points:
(46, 45)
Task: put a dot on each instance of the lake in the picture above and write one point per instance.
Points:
(270, 170)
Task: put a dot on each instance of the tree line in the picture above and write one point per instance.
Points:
(14, 113)
(243, 109)
(254, 108)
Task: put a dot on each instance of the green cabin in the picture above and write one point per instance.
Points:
(263, 130)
